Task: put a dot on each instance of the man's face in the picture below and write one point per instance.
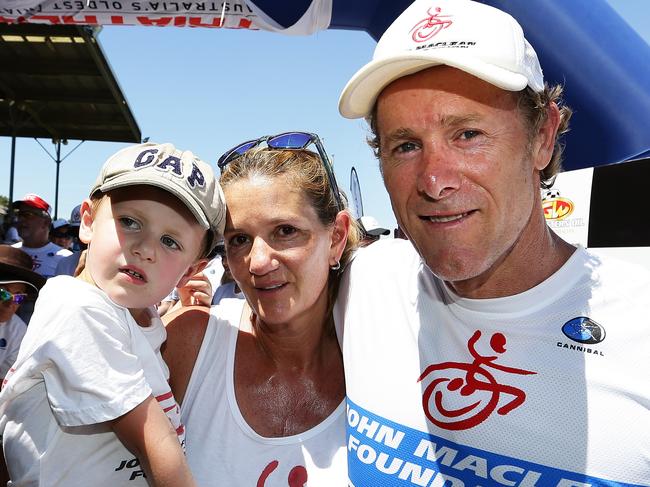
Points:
(32, 226)
(457, 163)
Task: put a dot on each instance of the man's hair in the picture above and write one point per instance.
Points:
(306, 173)
(534, 107)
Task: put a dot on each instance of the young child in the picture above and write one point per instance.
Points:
(87, 401)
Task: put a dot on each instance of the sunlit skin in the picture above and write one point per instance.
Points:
(8, 308)
(463, 175)
(278, 252)
(288, 367)
(143, 242)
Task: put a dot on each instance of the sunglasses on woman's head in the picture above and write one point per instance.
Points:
(287, 140)
(15, 298)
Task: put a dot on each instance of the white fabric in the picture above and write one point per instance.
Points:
(317, 17)
(223, 450)
(11, 334)
(213, 271)
(569, 406)
(226, 291)
(44, 258)
(67, 265)
(83, 361)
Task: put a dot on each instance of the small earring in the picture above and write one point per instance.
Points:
(336, 266)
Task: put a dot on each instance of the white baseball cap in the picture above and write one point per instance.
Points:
(473, 37)
(61, 222)
(371, 226)
(181, 173)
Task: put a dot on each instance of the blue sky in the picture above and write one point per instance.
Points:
(207, 90)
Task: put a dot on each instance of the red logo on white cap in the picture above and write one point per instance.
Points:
(428, 27)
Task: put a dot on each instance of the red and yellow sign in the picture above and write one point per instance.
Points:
(557, 208)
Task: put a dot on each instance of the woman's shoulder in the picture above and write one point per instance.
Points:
(185, 331)
(186, 325)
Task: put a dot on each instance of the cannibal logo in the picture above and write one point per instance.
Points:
(555, 207)
(426, 28)
(584, 330)
(461, 395)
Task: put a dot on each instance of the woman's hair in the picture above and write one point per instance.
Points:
(306, 172)
(534, 108)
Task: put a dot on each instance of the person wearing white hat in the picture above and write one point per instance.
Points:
(487, 350)
(68, 265)
(88, 396)
(372, 231)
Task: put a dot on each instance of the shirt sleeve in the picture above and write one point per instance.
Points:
(91, 372)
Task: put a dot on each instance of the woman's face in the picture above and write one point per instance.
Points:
(278, 250)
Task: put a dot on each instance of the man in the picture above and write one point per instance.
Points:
(33, 224)
(495, 353)
(67, 265)
(34, 219)
(371, 231)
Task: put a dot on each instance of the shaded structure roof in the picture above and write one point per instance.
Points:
(56, 83)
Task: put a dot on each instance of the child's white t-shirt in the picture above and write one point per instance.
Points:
(83, 361)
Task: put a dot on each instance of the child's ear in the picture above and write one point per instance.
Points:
(191, 271)
(87, 218)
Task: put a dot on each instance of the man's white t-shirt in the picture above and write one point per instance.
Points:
(223, 450)
(11, 334)
(44, 258)
(545, 388)
(83, 361)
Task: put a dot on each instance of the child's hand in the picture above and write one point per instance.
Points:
(197, 292)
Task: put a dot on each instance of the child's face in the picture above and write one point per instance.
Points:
(8, 308)
(143, 242)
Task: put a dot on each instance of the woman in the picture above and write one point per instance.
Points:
(261, 381)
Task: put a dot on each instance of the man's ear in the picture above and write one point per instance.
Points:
(192, 270)
(545, 138)
(87, 219)
(339, 237)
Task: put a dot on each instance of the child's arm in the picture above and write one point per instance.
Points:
(148, 434)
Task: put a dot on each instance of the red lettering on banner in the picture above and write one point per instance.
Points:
(180, 21)
(198, 22)
(245, 23)
(161, 22)
(117, 20)
(87, 19)
(53, 19)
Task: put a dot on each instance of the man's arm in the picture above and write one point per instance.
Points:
(147, 433)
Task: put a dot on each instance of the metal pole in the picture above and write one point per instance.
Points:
(58, 166)
(11, 170)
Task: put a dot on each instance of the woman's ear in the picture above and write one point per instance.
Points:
(339, 237)
(86, 225)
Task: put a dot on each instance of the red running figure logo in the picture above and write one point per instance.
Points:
(297, 475)
(477, 382)
(426, 28)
